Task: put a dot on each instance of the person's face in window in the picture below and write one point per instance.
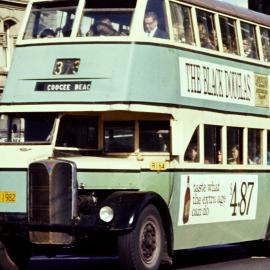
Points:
(213, 38)
(192, 154)
(235, 153)
(219, 157)
(150, 24)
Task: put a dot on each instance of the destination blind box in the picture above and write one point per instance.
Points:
(63, 86)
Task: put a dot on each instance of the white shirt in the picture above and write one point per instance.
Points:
(152, 33)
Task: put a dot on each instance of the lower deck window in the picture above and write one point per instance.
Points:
(119, 136)
(212, 144)
(26, 128)
(235, 145)
(254, 146)
(79, 132)
(192, 151)
(154, 136)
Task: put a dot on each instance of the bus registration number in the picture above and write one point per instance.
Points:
(7, 197)
(158, 166)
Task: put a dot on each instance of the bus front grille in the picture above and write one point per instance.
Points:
(52, 197)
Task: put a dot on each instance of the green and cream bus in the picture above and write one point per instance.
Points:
(135, 128)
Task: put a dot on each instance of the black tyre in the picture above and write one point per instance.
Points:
(141, 249)
(14, 258)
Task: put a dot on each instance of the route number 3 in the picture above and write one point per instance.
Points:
(66, 66)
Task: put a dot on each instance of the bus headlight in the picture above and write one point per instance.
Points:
(106, 213)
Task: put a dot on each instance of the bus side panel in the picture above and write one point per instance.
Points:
(224, 208)
(159, 182)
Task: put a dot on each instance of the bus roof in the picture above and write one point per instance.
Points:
(232, 10)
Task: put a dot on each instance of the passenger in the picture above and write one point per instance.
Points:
(179, 32)
(249, 50)
(189, 36)
(47, 33)
(58, 32)
(204, 37)
(266, 53)
(254, 157)
(92, 31)
(235, 155)
(213, 40)
(192, 154)
(151, 26)
(66, 30)
(219, 157)
(105, 28)
(225, 46)
(268, 157)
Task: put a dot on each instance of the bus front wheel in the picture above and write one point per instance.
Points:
(13, 259)
(141, 249)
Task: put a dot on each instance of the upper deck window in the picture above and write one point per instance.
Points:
(107, 18)
(182, 24)
(265, 35)
(155, 20)
(249, 40)
(228, 34)
(207, 30)
(51, 19)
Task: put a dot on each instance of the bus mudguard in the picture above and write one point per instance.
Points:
(127, 206)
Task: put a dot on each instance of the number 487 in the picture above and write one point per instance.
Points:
(243, 204)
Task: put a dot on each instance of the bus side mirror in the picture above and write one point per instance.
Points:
(176, 128)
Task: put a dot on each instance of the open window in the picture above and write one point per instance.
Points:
(212, 144)
(182, 23)
(254, 146)
(107, 18)
(265, 36)
(155, 21)
(235, 145)
(249, 40)
(192, 151)
(51, 19)
(228, 34)
(207, 30)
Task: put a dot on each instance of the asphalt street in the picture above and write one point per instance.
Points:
(218, 258)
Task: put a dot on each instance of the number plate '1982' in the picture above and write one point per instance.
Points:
(7, 197)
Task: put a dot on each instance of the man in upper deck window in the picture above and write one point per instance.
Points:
(151, 26)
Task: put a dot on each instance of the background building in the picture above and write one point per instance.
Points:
(260, 5)
(241, 3)
(11, 14)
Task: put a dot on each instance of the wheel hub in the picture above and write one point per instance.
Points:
(148, 242)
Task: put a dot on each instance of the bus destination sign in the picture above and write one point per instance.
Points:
(63, 86)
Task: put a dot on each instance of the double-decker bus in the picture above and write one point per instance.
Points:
(135, 128)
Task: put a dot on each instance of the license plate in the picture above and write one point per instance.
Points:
(7, 197)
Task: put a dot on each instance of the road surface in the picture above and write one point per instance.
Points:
(216, 258)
